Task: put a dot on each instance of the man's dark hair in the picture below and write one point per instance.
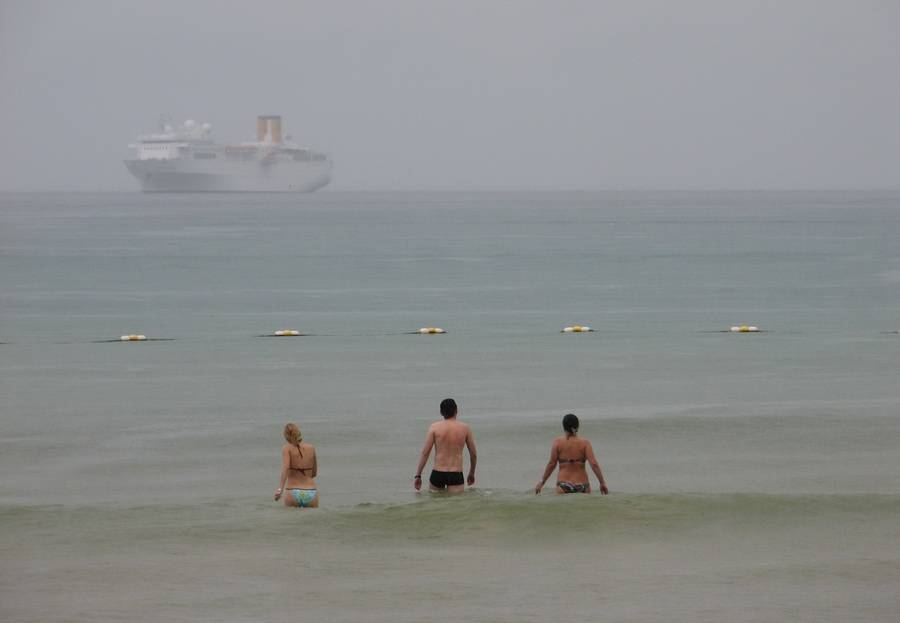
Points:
(448, 408)
(570, 423)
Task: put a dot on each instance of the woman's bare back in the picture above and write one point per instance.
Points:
(571, 453)
(302, 466)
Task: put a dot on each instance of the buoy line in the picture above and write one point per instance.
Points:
(133, 337)
(140, 337)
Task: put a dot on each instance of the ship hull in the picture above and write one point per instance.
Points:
(186, 175)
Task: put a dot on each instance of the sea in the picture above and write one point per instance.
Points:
(753, 476)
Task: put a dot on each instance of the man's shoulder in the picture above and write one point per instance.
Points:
(449, 425)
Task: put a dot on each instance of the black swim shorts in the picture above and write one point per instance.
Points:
(442, 480)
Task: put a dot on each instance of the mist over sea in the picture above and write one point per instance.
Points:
(753, 477)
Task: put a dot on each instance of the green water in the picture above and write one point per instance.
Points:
(753, 477)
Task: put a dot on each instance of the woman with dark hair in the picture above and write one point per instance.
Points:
(572, 453)
(298, 468)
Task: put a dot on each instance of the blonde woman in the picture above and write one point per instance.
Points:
(298, 468)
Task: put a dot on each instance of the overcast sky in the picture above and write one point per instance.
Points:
(466, 95)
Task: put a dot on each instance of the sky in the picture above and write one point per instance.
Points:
(464, 95)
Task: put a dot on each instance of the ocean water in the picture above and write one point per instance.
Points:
(753, 477)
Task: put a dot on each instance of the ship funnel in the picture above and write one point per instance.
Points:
(268, 129)
(275, 129)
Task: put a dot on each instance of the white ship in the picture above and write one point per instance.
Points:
(185, 159)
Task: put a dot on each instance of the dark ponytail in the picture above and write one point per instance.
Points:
(570, 423)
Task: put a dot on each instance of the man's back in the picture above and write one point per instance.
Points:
(449, 441)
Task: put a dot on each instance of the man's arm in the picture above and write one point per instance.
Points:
(473, 455)
(592, 460)
(423, 457)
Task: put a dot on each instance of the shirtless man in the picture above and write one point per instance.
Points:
(448, 438)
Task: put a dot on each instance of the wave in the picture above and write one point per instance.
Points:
(478, 513)
(518, 514)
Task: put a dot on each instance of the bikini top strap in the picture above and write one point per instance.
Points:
(559, 458)
(299, 469)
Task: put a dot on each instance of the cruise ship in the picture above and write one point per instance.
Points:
(186, 159)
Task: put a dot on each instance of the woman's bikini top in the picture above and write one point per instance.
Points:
(299, 469)
(561, 460)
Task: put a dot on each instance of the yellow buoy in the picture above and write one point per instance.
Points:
(426, 330)
(577, 329)
(133, 338)
(287, 333)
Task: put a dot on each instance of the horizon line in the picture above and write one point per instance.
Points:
(472, 190)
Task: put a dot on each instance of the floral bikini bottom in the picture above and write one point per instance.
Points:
(304, 497)
(568, 487)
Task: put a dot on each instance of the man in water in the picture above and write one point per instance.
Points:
(448, 438)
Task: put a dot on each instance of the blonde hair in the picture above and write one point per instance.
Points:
(292, 436)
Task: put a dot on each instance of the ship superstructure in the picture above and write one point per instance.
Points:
(186, 159)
